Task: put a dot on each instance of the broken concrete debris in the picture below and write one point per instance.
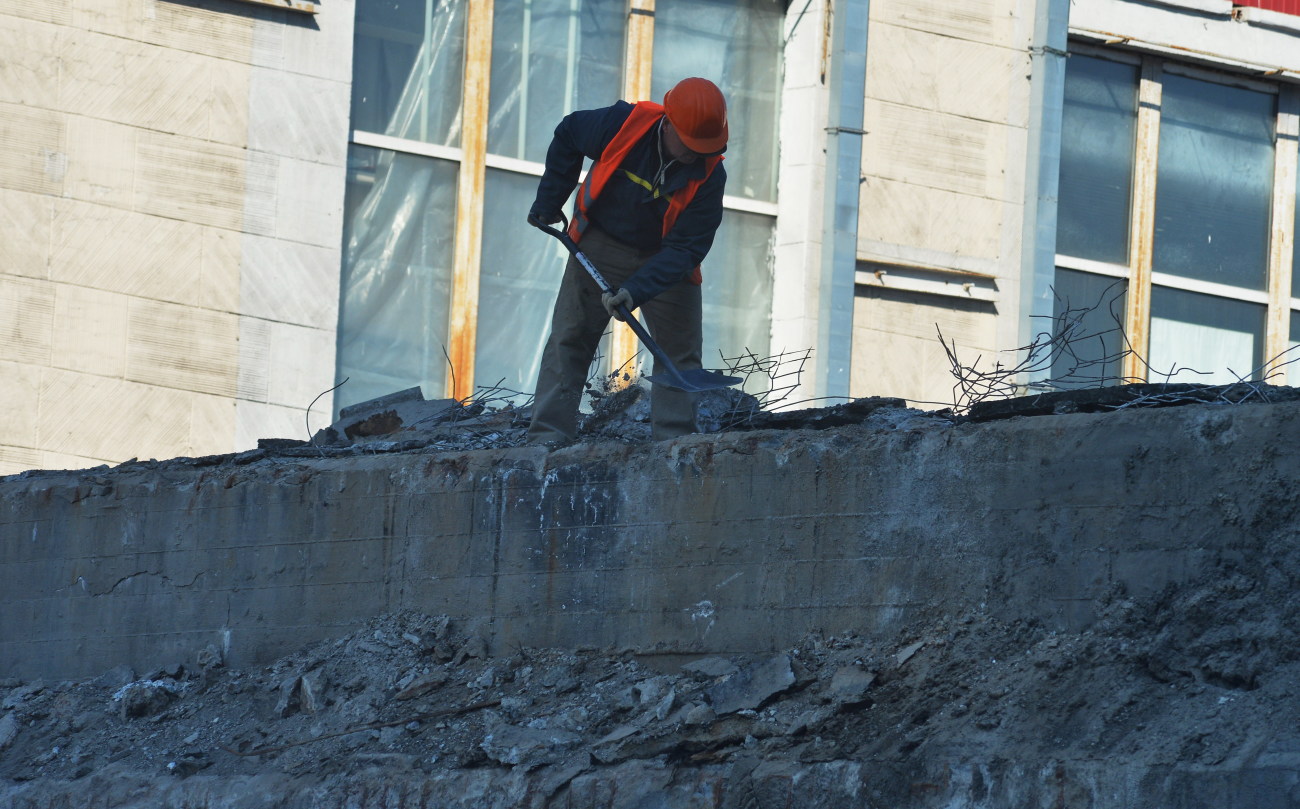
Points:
(1153, 683)
(405, 420)
(8, 729)
(750, 687)
(147, 697)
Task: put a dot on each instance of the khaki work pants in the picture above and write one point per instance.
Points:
(577, 324)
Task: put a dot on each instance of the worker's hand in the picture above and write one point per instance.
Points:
(613, 300)
(544, 216)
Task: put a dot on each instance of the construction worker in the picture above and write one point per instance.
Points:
(646, 216)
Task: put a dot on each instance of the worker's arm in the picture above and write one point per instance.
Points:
(584, 133)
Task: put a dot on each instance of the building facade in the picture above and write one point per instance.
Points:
(215, 212)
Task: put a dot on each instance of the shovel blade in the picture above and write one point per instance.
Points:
(694, 380)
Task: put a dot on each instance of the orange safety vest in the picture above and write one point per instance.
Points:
(645, 114)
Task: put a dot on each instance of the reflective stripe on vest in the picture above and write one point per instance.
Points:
(645, 114)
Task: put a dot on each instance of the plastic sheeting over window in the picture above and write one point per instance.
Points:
(737, 45)
(400, 208)
(550, 57)
(738, 288)
(520, 275)
(408, 59)
(396, 281)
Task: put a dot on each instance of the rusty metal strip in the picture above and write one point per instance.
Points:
(1281, 243)
(469, 199)
(638, 57)
(1142, 219)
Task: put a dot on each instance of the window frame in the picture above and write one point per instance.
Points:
(1282, 308)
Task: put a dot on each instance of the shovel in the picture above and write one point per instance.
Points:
(691, 380)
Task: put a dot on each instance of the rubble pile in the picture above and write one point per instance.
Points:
(1182, 680)
(405, 421)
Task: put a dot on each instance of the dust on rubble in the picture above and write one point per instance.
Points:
(1194, 676)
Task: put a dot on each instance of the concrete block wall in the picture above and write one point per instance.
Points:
(710, 544)
(943, 164)
(164, 255)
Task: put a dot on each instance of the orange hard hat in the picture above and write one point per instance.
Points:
(698, 112)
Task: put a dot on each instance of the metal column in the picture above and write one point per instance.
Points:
(847, 81)
(1042, 170)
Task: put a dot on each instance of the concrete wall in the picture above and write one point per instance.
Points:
(723, 543)
(166, 266)
(1210, 32)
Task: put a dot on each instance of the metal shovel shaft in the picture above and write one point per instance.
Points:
(691, 380)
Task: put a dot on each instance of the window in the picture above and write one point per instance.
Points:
(401, 198)
(1167, 193)
(444, 284)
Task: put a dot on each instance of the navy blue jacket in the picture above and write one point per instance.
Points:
(628, 211)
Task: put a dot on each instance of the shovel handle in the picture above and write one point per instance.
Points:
(670, 376)
(562, 233)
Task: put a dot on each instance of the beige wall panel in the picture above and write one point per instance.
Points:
(27, 73)
(25, 222)
(939, 73)
(991, 21)
(26, 319)
(268, 44)
(101, 161)
(192, 180)
(137, 84)
(111, 419)
(928, 218)
(288, 282)
(304, 49)
(122, 251)
(32, 154)
(219, 277)
(897, 350)
(228, 114)
(58, 12)
(89, 331)
(20, 397)
(120, 18)
(210, 31)
(254, 359)
(19, 459)
(934, 149)
(182, 347)
(58, 460)
(254, 420)
(265, 210)
(314, 111)
(302, 359)
(299, 216)
(212, 425)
